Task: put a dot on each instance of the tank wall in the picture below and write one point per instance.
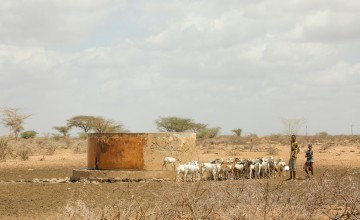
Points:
(140, 151)
(116, 151)
(160, 145)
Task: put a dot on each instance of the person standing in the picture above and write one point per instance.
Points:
(294, 150)
(309, 161)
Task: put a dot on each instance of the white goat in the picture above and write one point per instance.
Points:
(239, 169)
(182, 168)
(264, 169)
(257, 168)
(171, 160)
(191, 168)
(209, 168)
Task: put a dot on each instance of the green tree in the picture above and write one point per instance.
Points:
(83, 122)
(28, 134)
(13, 119)
(237, 132)
(174, 124)
(64, 130)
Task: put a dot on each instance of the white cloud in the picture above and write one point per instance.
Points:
(52, 23)
(239, 64)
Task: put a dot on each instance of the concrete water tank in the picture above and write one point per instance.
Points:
(128, 153)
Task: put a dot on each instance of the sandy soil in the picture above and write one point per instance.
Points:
(20, 198)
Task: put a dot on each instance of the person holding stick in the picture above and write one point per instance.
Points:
(294, 150)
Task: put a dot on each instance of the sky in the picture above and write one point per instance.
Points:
(228, 64)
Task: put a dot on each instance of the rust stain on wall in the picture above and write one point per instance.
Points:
(116, 151)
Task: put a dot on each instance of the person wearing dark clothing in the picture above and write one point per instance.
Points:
(308, 167)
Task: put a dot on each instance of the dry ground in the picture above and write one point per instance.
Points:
(22, 199)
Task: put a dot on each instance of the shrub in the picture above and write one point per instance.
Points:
(3, 149)
(56, 137)
(325, 146)
(24, 153)
(50, 149)
(208, 132)
(273, 150)
(80, 148)
(28, 134)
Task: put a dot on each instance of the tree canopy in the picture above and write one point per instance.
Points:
(83, 122)
(95, 123)
(177, 124)
(174, 124)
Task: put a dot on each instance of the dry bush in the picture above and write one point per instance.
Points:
(67, 141)
(24, 153)
(56, 137)
(50, 149)
(236, 140)
(325, 147)
(279, 138)
(333, 194)
(4, 149)
(80, 148)
(273, 150)
(252, 147)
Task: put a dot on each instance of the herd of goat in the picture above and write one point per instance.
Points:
(232, 168)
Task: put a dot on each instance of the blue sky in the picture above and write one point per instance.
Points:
(239, 64)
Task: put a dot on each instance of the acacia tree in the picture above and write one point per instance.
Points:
(64, 130)
(13, 119)
(83, 122)
(292, 126)
(237, 132)
(174, 124)
(102, 125)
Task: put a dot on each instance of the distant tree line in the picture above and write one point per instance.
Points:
(14, 119)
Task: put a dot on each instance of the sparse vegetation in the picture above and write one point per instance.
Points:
(335, 195)
(13, 119)
(4, 148)
(24, 153)
(332, 194)
(292, 126)
(272, 150)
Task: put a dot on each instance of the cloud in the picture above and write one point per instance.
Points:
(227, 65)
(52, 23)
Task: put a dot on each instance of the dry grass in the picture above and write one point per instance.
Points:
(333, 195)
(24, 148)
